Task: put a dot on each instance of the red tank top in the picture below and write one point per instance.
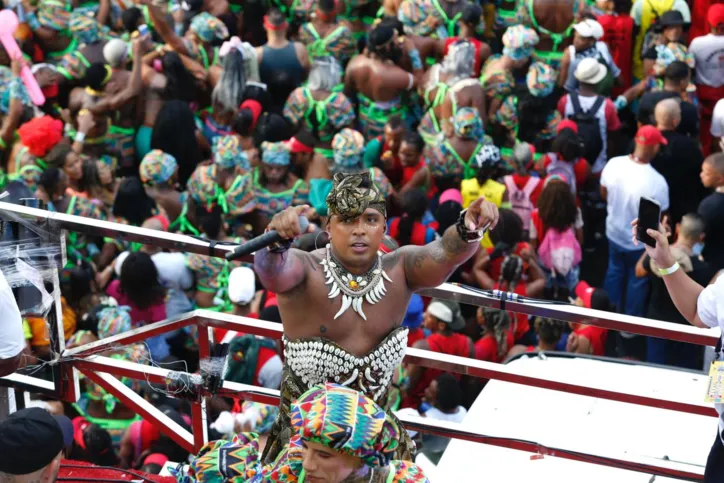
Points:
(455, 345)
(618, 35)
(409, 171)
(476, 43)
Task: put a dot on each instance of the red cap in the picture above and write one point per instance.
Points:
(567, 124)
(155, 459)
(715, 15)
(585, 292)
(649, 136)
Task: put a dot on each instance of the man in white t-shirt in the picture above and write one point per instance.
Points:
(708, 51)
(717, 127)
(12, 339)
(702, 307)
(624, 180)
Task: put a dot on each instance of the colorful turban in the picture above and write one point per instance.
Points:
(113, 321)
(519, 41)
(202, 187)
(348, 146)
(228, 153)
(207, 27)
(467, 124)
(541, 79)
(84, 28)
(53, 15)
(348, 198)
(157, 167)
(347, 421)
(672, 52)
(276, 154)
(412, 14)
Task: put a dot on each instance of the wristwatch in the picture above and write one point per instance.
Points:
(470, 236)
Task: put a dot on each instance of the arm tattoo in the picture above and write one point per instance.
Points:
(271, 264)
(452, 244)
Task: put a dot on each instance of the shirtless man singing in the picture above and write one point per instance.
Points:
(342, 305)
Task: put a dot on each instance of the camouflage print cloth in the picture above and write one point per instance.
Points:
(348, 199)
(497, 82)
(339, 43)
(332, 114)
(268, 204)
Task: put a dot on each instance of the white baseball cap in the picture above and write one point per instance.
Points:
(242, 285)
(440, 311)
(589, 28)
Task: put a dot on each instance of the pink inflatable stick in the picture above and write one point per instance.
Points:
(8, 25)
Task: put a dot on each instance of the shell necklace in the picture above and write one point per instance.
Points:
(354, 288)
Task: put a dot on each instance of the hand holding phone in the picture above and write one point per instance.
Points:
(649, 218)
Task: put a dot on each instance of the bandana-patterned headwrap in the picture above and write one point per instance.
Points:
(207, 27)
(85, 28)
(347, 421)
(276, 154)
(467, 124)
(114, 321)
(348, 199)
(157, 167)
(541, 79)
(519, 41)
(672, 52)
(412, 15)
(228, 153)
(348, 146)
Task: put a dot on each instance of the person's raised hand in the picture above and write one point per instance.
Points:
(572, 342)
(661, 253)
(138, 44)
(85, 121)
(286, 223)
(481, 214)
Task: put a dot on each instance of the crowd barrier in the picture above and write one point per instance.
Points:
(104, 371)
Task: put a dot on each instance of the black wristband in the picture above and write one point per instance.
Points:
(464, 232)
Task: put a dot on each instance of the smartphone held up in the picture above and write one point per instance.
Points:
(649, 218)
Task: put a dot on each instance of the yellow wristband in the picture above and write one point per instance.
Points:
(670, 270)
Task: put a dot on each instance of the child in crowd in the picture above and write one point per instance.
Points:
(566, 157)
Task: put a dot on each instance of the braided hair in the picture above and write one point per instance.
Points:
(497, 323)
(510, 271)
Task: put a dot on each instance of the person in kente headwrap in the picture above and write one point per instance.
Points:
(159, 174)
(339, 435)
(275, 186)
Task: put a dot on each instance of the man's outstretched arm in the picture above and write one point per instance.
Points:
(430, 265)
(283, 271)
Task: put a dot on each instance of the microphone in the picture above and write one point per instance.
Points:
(262, 241)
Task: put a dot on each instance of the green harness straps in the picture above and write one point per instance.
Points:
(556, 37)
(451, 24)
(318, 108)
(318, 48)
(468, 170)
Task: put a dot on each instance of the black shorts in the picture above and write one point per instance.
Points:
(714, 472)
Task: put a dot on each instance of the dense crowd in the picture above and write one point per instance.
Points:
(208, 117)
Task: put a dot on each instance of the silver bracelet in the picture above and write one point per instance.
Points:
(79, 137)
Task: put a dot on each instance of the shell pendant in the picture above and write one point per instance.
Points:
(355, 289)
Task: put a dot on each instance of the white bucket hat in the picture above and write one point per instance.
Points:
(589, 28)
(590, 71)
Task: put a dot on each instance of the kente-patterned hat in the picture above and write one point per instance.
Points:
(114, 320)
(348, 146)
(207, 27)
(157, 167)
(541, 79)
(228, 153)
(347, 421)
(277, 154)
